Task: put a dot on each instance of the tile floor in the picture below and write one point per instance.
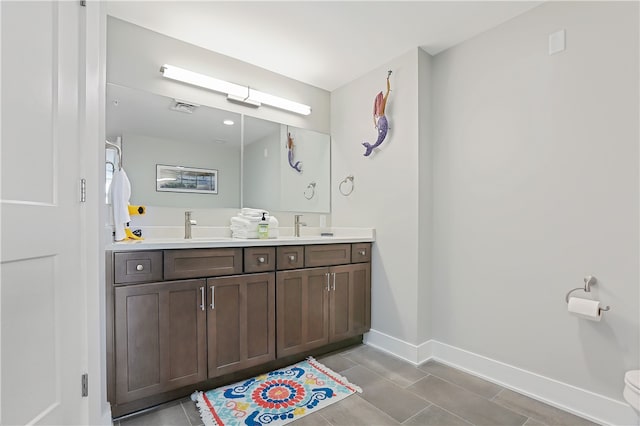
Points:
(396, 392)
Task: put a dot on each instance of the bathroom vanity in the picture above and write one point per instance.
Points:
(211, 313)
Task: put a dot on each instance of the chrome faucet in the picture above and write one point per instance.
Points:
(297, 224)
(188, 222)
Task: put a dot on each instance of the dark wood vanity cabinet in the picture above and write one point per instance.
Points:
(221, 312)
(302, 306)
(240, 322)
(317, 306)
(349, 301)
(160, 338)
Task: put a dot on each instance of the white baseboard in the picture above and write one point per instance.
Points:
(416, 355)
(584, 403)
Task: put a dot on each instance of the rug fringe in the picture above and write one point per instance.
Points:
(205, 413)
(336, 376)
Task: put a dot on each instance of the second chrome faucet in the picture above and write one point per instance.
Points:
(297, 224)
(188, 222)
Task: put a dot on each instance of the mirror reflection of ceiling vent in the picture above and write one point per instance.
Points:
(182, 106)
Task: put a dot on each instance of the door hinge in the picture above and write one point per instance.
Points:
(85, 384)
(83, 190)
(83, 3)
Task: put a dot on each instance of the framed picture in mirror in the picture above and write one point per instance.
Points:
(186, 179)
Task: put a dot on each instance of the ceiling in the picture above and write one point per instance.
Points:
(322, 43)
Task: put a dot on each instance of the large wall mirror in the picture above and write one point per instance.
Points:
(177, 154)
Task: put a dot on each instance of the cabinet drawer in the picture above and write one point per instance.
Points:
(137, 267)
(290, 257)
(327, 255)
(202, 263)
(259, 259)
(361, 252)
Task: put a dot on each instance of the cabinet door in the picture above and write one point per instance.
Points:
(350, 301)
(159, 337)
(302, 308)
(240, 322)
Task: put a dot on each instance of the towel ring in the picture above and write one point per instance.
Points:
(589, 280)
(312, 187)
(347, 179)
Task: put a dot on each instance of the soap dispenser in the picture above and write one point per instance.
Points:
(263, 227)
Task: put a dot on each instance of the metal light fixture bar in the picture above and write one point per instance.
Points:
(234, 92)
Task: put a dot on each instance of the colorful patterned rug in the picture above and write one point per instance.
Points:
(275, 398)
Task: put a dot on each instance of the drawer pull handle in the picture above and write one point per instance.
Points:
(139, 268)
(362, 252)
(327, 281)
(261, 260)
(202, 298)
(334, 282)
(292, 258)
(213, 298)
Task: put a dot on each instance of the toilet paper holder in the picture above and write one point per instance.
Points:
(589, 280)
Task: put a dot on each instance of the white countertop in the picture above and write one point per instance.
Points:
(159, 239)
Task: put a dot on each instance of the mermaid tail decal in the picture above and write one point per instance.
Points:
(297, 166)
(379, 119)
(383, 127)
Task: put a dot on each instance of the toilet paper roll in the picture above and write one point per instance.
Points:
(585, 308)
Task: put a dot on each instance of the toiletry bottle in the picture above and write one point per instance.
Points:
(263, 227)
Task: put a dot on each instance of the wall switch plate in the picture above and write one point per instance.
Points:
(557, 42)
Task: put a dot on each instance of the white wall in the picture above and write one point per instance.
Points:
(507, 176)
(386, 187)
(536, 185)
(425, 197)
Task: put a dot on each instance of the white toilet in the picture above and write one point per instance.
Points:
(632, 389)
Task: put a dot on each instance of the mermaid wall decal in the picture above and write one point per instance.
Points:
(379, 119)
(297, 165)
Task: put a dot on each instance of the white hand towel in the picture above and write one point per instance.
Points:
(253, 218)
(120, 192)
(252, 212)
(244, 223)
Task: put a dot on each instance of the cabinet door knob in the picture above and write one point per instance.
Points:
(362, 252)
(261, 260)
(139, 268)
(292, 258)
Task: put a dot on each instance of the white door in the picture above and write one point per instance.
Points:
(42, 298)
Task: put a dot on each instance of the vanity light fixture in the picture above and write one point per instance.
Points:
(234, 92)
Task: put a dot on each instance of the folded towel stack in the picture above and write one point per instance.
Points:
(245, 223)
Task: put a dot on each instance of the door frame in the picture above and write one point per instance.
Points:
(93, 211)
